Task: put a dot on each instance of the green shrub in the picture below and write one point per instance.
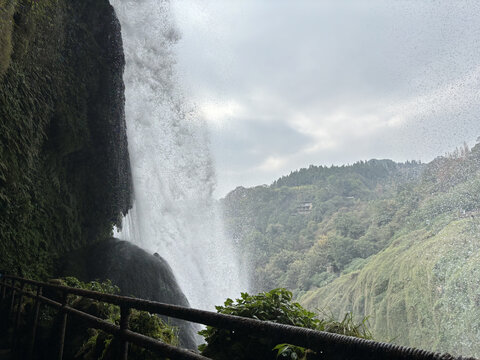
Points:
(322, 279)
(276, 306)
(97, 344)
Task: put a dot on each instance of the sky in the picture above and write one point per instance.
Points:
(285, 84)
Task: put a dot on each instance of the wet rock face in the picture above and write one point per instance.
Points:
(106, 114)
(64, 163)
(136, 272)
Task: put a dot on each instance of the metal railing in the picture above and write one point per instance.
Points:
(331, 346)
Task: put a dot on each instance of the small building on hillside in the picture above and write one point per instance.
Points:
(304, 208)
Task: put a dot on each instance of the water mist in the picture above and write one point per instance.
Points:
(173, 176)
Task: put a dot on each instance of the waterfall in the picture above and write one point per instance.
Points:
(174, 213)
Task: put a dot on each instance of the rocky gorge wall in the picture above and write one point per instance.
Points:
(64, 165)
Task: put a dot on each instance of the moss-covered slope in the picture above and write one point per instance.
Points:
(423, 290)
(64, 168)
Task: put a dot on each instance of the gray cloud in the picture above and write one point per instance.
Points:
(285, 84)
(245, 145)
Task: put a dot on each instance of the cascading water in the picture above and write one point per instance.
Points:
(173, 175)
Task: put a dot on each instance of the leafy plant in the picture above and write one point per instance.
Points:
(97, 344)
(292, 352)
(347, 326)
(276, 306)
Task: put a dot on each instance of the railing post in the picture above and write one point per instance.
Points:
(17, 316)
(5, 315)
(35, 323)
(124, 319)
(12, 298)
(63, 326)
(19, 306)
(3, 286)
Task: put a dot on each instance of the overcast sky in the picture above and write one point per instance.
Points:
(286, 84)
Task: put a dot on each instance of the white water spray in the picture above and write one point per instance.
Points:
(173, 176)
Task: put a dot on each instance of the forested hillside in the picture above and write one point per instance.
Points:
(381, 238)
(316, 222)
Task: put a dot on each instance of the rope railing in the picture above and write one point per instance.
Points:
(331, 346)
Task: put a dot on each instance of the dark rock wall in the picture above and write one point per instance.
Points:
(136, 272)
(64, 166)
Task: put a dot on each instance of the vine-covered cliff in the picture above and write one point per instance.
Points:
(64, 166)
